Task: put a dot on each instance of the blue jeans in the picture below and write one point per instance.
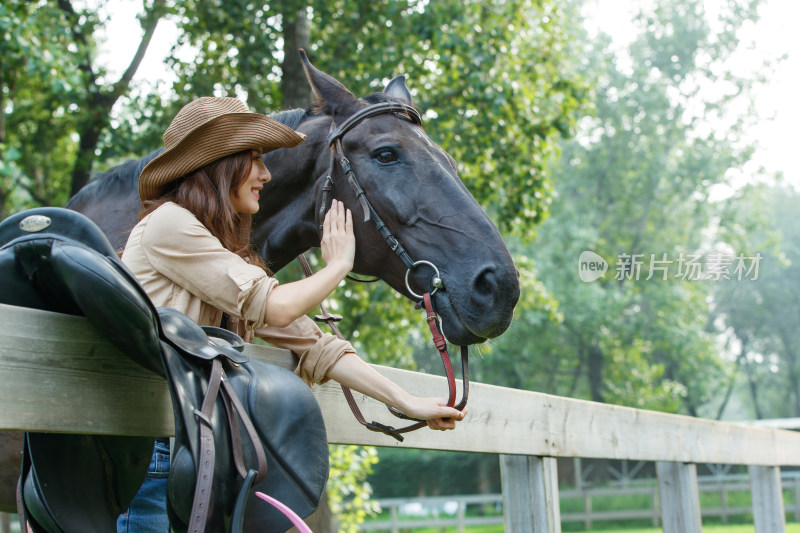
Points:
(148, 510)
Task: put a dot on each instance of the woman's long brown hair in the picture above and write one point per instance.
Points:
(206, 193)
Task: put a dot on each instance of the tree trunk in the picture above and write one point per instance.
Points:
(90, 136)
(729, 390)
(788, 349)
(596, 373)
(100, 100)
(296, 34)
(751, 381)
(4, 192)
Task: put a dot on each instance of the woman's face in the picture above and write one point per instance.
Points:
(245, 199)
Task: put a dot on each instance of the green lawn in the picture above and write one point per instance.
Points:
(738, 528)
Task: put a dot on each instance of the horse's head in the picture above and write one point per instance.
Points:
(413, 186)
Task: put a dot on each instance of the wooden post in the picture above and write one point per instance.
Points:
(723, 501)
(393, 519)
(530, 494)
(767, 496)
(796, 499)
(462, 516)
(587, 509)
(680, 497)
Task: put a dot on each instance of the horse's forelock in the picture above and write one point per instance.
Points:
(377, 98)
(314, 110)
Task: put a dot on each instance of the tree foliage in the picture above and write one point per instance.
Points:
(349, 496)
(758, 315)
(634, 187)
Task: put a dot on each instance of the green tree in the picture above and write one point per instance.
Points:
(635, 187)
(58, 101)
(757, 308)
(499, 77)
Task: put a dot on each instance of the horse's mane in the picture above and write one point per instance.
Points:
(292, 117)
(117, 180)
(377, 98)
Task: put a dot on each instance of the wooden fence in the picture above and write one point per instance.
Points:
(60, 375)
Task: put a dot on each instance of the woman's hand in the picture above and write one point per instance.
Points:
(435, 412)
(289, 301)
(352, 372)
(338, 242)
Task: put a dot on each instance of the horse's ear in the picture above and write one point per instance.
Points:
(333, 98)
(397, 89)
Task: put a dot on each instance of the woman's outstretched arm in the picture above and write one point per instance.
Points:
(352, 372)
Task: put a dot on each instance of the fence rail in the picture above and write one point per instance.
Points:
(60, 375)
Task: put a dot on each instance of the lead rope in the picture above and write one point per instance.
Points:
(441, 345)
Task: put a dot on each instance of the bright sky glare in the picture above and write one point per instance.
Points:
(777, 104)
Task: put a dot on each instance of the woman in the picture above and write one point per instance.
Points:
(191, 251)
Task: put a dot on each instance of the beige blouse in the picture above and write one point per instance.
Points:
(180, 264)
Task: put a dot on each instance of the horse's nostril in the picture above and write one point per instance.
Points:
(485, 283)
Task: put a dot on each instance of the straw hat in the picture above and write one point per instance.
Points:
(208, 129)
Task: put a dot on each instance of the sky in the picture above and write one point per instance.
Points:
(774, 35)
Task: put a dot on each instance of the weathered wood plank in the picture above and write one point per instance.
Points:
(767, 498)
(680, 497)
(530, 494)
(58, 374)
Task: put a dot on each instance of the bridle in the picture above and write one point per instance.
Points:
(405, 112)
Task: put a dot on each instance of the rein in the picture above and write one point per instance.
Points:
(439, 341)
(405, 112)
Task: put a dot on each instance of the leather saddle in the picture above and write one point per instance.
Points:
(58, 260)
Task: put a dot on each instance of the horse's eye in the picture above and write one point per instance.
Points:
(385, 156)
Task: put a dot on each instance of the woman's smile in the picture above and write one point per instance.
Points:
(258, 176)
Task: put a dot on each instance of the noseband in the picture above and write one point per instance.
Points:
(405, 112)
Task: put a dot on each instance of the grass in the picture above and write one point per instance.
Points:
(737, 528)
(738, 500)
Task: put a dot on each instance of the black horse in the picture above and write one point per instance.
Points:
(410, 182)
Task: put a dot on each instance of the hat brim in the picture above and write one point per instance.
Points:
(225, 135)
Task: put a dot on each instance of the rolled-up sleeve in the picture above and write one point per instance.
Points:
(318, 351)
(183, 250)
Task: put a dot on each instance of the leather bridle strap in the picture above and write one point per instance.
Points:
(403, 111)
(334, 140)
(406, 111)
(369, 211)
(441, 345)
